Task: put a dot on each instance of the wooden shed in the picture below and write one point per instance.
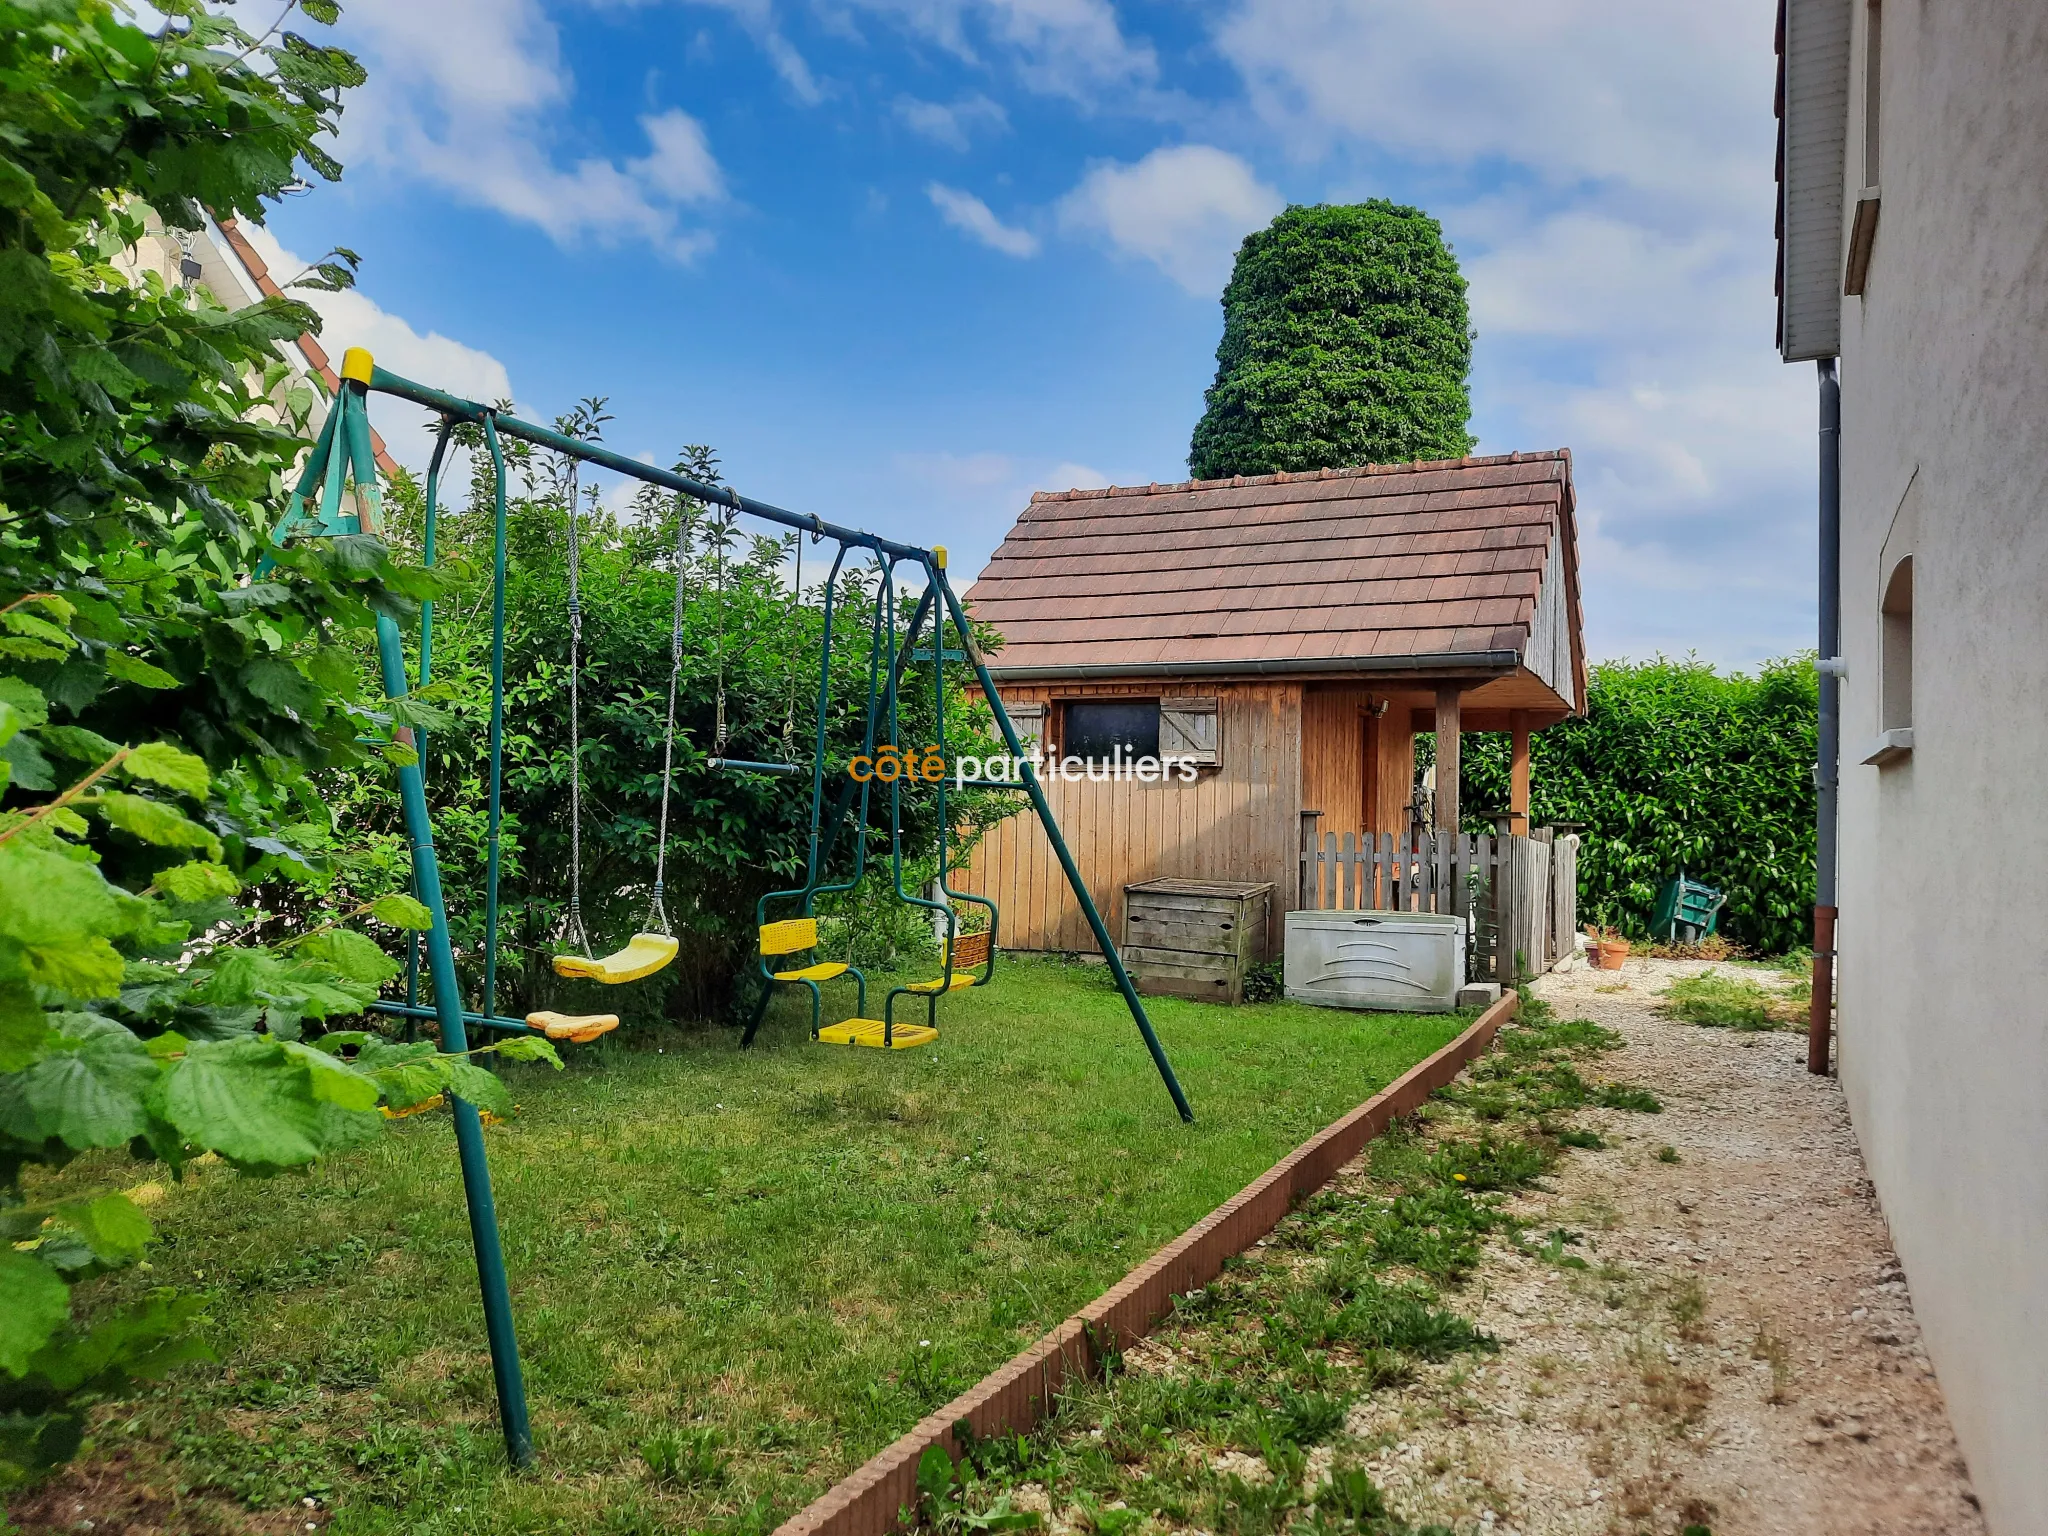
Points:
(1283, 636)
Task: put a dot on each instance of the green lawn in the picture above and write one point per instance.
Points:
(736, 1275)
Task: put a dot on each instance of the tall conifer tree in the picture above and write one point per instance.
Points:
(1345, 341)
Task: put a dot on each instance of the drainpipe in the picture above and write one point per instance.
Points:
(1820, 1016)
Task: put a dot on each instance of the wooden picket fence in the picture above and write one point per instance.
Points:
(1518, 895)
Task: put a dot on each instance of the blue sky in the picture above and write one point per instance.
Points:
(904, 261)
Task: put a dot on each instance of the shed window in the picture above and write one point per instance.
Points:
(1895, 650)
(1094, 729)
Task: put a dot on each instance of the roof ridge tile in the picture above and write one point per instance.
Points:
(1289, 477)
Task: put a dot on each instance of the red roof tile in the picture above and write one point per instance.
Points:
(1386, 561)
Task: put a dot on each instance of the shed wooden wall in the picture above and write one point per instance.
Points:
(1239, 821)
(1333, 759)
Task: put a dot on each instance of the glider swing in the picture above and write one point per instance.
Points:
(319, 508)
(968, 959)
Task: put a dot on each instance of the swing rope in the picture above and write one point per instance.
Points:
(718, 556)
(657, 914)
(796, 606)
(575, 932)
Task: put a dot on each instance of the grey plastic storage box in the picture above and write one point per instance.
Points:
(1405, 962)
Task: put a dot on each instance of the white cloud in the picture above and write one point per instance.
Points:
(1185, 208)
(353, 319)
(1590, 273)
(468, 94)
(758, 18)
(1072, 48)
(1620, 273)
(1665, 96)
(968, 501)
(1648, 354)
(951, 124)
(1068, 476)
(970, 215)
(681, 165)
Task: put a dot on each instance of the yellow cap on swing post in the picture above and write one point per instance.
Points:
(939, 556)
(357, 364)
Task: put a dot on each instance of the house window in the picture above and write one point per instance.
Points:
(1895, 650)
(1863, 224)
(1097, 730)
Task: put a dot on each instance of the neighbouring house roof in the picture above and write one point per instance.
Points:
(252, 272)
(1453, 566)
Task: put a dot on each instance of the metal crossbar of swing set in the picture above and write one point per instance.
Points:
(382, 382)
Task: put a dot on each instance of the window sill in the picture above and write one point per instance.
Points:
(1890, 747)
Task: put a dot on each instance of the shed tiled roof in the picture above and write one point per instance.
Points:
(1429, 560)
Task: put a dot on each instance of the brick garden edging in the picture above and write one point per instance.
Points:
(1016, 1396)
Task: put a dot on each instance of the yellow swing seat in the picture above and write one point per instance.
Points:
(969, 950)
(646, 954)
(871, 1032)
(824, 970)
(578, 1028)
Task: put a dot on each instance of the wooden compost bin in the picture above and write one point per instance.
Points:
(1194, 938)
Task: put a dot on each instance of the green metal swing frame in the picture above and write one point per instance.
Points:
(315, 508)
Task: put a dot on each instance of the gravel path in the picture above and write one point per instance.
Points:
(1740, 1352)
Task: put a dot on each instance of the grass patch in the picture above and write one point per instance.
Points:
(1721, 1001)
(735, 1275)
(1213, 1425)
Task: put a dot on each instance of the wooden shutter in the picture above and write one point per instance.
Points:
(1190, 731)
(1029, 719)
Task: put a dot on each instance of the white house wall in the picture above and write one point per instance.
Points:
(1944, 862)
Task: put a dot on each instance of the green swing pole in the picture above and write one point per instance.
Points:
(842, 799)
(496, 815)
(946, 892)
(469, 1131)
(419, 737)
(937, 574)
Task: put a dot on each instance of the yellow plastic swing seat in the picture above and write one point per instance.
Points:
(940, 984)
(824, 970)
(869, 1032)
(970, 950)
(578, 1028)
(648, 953)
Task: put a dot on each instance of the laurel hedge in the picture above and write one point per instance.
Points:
(1678, 767)
(1345, 341)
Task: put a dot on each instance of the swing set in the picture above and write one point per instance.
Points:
(320, 506)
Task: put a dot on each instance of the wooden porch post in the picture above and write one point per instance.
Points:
(1449, 722)
(1518, 776)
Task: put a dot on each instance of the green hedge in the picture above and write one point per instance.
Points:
(1678, 767)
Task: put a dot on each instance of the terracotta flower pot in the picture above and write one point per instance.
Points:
(1608, 954)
